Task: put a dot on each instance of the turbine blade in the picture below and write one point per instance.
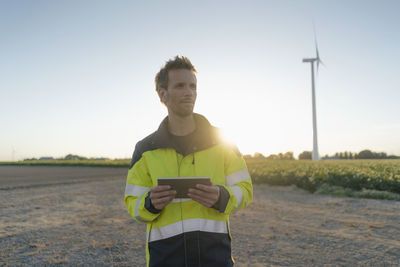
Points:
(319, 61)
(322, 63)
(316, 49)
(315, 41)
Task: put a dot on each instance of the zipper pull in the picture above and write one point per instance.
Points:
(193, 160)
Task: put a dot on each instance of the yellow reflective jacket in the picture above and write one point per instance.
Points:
(186, 233)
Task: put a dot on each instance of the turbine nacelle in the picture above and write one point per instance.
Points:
(310, 59)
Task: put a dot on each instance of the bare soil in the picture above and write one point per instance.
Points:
(76, 216)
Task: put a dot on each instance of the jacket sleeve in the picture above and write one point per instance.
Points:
(137, 191)
(237, 192)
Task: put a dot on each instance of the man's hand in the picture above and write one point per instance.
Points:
(161, 196)
(206, 195)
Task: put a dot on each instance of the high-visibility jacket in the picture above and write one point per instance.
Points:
(186, 233)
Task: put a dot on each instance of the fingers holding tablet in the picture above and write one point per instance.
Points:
(161, 196)
(207, 195)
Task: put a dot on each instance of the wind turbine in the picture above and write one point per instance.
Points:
(315, 155)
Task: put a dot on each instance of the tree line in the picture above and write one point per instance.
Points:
(285, 156)
(307, 155)
(364, 154)
(67, 157)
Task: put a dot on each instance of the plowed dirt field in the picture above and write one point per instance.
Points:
(76, 216)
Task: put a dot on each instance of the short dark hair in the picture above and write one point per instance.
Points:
(182, 62)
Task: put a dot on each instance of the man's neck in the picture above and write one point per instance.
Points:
(181, 126)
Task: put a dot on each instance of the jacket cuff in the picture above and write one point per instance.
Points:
(149, 206)
(223, 199)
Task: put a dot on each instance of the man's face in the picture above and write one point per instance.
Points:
(181, 94)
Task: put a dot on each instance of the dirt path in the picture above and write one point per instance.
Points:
(85, 223)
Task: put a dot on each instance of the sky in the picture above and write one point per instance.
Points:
(78, 76)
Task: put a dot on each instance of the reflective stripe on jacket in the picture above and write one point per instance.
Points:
(186, 233)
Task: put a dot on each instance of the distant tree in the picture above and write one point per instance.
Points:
(46, 158)
(365, 154)
(381, 155)
(31, 159)
(273, 156)
(305, 155)
(258, 155)
(74, 157)
(69, 157)
(288, 155)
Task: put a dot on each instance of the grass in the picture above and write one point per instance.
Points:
(340, 191)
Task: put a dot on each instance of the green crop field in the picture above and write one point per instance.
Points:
(360, 178)
(371, 177)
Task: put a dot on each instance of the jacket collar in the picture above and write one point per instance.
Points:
(205, 135)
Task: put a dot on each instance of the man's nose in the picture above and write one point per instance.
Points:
(189, 91)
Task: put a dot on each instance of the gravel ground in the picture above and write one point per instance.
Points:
(76, 216)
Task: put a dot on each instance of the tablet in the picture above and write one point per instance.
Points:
(182, 184)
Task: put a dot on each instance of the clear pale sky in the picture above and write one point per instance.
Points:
(78, 76)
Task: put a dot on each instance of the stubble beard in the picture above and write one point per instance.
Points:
(183, 112)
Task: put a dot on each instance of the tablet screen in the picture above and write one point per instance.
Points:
(182, 184)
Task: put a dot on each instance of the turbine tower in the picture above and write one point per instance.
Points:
(315, 155)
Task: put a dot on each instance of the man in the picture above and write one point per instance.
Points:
(193, 231)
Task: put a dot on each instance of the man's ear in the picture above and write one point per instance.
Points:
(162, 93)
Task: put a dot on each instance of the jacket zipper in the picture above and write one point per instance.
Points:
(179, 164)
(180, 203)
